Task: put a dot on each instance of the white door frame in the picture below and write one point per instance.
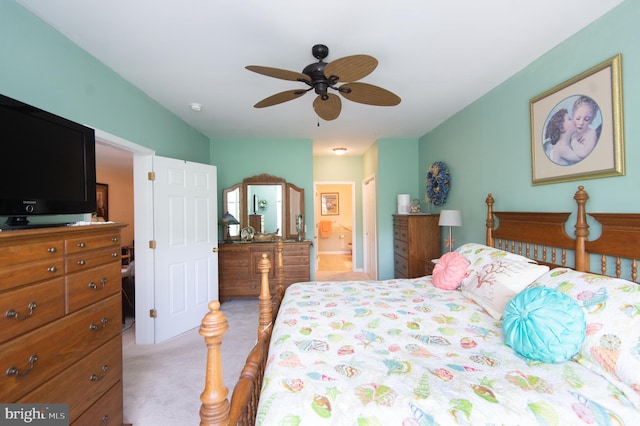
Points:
(143, 232)
(369, 230)
(316, 206)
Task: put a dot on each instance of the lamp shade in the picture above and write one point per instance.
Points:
(450, 218)
(228, 219)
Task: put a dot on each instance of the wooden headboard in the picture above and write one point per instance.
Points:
(542, 236)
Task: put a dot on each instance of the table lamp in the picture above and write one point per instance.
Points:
(450, 218)
(228, 220)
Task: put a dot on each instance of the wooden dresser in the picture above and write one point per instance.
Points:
(416, 240)
(238, 274)
(60, 323)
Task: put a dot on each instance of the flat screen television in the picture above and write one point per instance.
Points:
(47, 165)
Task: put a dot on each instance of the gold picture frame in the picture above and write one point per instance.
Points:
(330, 203)
(577, 127)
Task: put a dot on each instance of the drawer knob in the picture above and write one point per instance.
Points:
(94, 286)
(82, 245)
(96, 378)
(81, 262)
(52, 250)
(101, 326)
(11, 313)
(52, 269)
(105, 420)
(13, 371)
(115, 239)
(115, 254)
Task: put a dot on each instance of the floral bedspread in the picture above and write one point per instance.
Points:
(402, 352)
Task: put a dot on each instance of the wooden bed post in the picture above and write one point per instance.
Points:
(215, 406)
(490, 221)
(582, 230)
(264, 300)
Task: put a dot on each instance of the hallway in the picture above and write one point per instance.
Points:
(337, 267)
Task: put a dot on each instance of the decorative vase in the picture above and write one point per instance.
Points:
(415, 206)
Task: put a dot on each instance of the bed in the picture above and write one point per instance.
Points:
(409, 353)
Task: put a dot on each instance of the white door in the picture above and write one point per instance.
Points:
(369, 227)
(185, 231)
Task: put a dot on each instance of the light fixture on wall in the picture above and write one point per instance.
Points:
(339, 151)
(450, 218)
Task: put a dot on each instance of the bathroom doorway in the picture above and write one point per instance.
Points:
(335, 216)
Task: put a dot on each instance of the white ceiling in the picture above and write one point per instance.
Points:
(437, 55)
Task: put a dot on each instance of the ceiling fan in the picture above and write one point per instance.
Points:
(322, 76)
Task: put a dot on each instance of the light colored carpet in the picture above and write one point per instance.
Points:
(163, 382)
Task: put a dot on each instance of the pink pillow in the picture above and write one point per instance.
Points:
(450, 271)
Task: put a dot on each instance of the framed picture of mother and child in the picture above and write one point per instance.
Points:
(577, 127)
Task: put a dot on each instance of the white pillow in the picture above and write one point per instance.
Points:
(497, 282)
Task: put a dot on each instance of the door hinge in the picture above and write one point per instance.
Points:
(151, 175)
(152, 244)
(153, 313)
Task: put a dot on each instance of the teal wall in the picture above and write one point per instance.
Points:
(397, 174)
(290, 159)
(344, 169)
(41, 67)
(487, 146)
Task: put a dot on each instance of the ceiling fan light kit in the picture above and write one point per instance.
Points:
(322, 76)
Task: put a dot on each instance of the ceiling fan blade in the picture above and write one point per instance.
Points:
(351, 68)
(279, 98)
(278, 73)
(328, 109)
(369, 94)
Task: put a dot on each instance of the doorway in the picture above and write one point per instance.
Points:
(142, 159)
(334, 229)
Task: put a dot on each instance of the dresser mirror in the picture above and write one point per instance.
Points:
(268, 204)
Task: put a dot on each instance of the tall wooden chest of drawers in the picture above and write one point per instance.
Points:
(238, 274)
(416, 240)
(60, 320)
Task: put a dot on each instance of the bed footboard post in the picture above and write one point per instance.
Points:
(582, 230)
(215, 406)
(264, 300)
(490, 221)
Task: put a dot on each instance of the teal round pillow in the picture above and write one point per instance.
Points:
(544, 324)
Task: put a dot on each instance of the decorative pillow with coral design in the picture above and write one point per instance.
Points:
(497, 282)
(612, 312)
(479, 255)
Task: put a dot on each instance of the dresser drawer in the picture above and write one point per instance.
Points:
(91, 242)
(84, 261)
(400, 233)
(21, 274)
(86, 287)
(401, 266)
(107, 411)
(296, 272)
(83, 383)
(295, 260)
(34, 305)
(13, 254)
(44, 352)
(292, 249)
(401, 248)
